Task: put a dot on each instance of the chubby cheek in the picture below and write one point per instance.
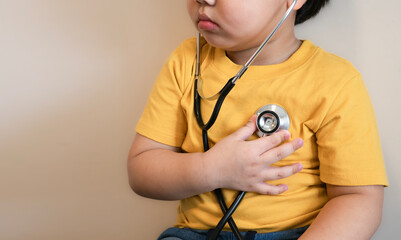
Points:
(192, 9)
(237, 24)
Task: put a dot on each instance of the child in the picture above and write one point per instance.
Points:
(322, 179)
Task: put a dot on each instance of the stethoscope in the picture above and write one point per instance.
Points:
(270, 119)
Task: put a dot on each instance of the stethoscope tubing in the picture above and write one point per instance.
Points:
(255, 54)
(219, 195)
(205, 127)
(227, 217)
(223, 94)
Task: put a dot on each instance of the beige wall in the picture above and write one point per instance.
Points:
(74, 78)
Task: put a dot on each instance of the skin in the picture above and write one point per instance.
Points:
(160, 171)
(243, 25)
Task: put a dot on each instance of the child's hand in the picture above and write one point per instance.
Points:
(238, 164)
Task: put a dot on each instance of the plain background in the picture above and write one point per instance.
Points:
(75, 76)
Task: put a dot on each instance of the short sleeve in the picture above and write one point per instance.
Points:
(348, 141)
(163, 119)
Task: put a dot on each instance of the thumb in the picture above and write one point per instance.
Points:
(246, 131)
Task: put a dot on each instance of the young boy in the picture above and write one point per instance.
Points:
(325, 175)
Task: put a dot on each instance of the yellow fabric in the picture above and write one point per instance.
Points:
(329, 109)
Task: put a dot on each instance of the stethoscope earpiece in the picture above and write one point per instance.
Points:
(270, 119)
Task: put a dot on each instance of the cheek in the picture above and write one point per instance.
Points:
(240, 18)
(192, 9)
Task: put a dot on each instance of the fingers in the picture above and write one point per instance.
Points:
(255, 158)
(267, 189)
(269, 142)
(275, 173)
(282, 151)
(246, 131)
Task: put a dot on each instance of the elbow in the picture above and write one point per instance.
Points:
(134, 177)
(133, 185)
(143, 190)
(137, 179)
(136, 186)
(137, 190)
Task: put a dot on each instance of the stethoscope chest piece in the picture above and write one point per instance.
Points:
(270, 119)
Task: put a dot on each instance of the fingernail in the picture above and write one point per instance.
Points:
(287, 135)
(300, 166)
(300, 142)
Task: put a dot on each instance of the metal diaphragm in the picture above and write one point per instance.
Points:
(270, 119)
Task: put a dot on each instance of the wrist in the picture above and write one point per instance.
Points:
(209, 172)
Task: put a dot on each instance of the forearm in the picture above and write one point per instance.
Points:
(167, 175)
(349, 216)
(161, 171)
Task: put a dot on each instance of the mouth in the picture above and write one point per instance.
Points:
(205, 23)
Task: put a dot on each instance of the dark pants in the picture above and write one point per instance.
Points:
(191, 234)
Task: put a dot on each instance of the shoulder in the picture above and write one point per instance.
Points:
(330, 72)
(185, 51)
(179, 66)
(332, 64)
(184, 56)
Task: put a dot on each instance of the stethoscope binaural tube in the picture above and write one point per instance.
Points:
(205, 127)
(219, 195)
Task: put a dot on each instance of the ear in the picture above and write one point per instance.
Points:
(298, 5)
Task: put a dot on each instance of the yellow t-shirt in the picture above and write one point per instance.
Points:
(329, 109)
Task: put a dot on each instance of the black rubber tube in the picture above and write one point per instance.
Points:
(220, 198)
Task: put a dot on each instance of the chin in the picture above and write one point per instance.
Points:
(217, 41)
(227, 44)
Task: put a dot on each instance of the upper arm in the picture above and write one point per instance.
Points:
(138, 163)
(143, 144)
(374, 192)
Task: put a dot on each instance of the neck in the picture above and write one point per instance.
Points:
(275, 52)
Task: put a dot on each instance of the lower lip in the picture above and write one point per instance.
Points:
(207, 25)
